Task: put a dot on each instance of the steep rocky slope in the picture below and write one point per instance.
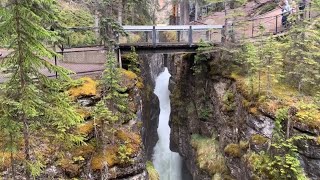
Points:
(217, 130)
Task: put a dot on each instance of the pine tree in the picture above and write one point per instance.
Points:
(302, 54)
(249, 57)
(32, 105)
(272, 62)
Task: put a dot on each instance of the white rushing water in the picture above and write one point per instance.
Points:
(167, 163)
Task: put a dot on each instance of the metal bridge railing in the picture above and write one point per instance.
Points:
(174, 34)
(271, 25)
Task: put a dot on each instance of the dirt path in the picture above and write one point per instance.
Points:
(248, 26)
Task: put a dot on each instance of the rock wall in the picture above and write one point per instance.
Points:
(211, 105)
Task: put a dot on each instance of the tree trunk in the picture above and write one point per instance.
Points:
(26, 145)
(184, 12)
(96, 23)
(120, 9)
(259, 90)
(13, 172)
(23, 85)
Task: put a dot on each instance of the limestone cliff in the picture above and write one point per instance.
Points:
(215, 128)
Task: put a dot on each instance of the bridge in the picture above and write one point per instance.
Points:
(172, 37)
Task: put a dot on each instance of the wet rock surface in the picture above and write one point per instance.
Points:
(206, 105)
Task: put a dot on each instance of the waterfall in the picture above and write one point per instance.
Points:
(166, 162)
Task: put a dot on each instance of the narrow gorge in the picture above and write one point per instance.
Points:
(214, 127)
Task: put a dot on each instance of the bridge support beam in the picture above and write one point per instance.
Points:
(190, 36)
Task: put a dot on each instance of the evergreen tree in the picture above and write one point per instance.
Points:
(281, 161)
(249, 57)
(302, 56)
(272, 62)
(32, 105)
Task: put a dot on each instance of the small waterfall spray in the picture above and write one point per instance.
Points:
(166, 162)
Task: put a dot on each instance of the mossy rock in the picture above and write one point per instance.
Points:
(132, 143)
(5, 160)
(233, 150)
(132, 140)
(129, 79)
(85, 128)
(254, 111)
(244, 145)
(69, 167)
(87, 89)
(152, 172)
(258, 139)
(83, 150)
(209, 158)
(109, 157)
(84, 113)
(309, 114)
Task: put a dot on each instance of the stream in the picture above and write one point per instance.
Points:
(168, 164)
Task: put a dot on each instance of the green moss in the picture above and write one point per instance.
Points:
(244, 145)
(69, 166)
(87, 88)
(208, 156)
(109, 157)
(205, 113)
(85, 128)
(309, 114)
(233, 150)
(317, 139)
(152, 172)
(131, 140)
(258, 139)
(229, 101)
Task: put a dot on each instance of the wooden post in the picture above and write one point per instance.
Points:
(190, 36)
(208, 35)
(154, 37)
(119, 58)
(178, 34)
(56, 63)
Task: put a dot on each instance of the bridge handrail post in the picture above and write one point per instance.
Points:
(154, 36)
(277, 24)
(190, 36)
(223, 34)
(252, 30)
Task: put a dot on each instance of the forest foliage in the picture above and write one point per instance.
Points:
(36, 109)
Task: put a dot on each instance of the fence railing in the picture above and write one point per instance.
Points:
(182, 34)
(270, 25)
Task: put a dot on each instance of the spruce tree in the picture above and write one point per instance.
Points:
(302, 56)
(32, 105)
(272, 62)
